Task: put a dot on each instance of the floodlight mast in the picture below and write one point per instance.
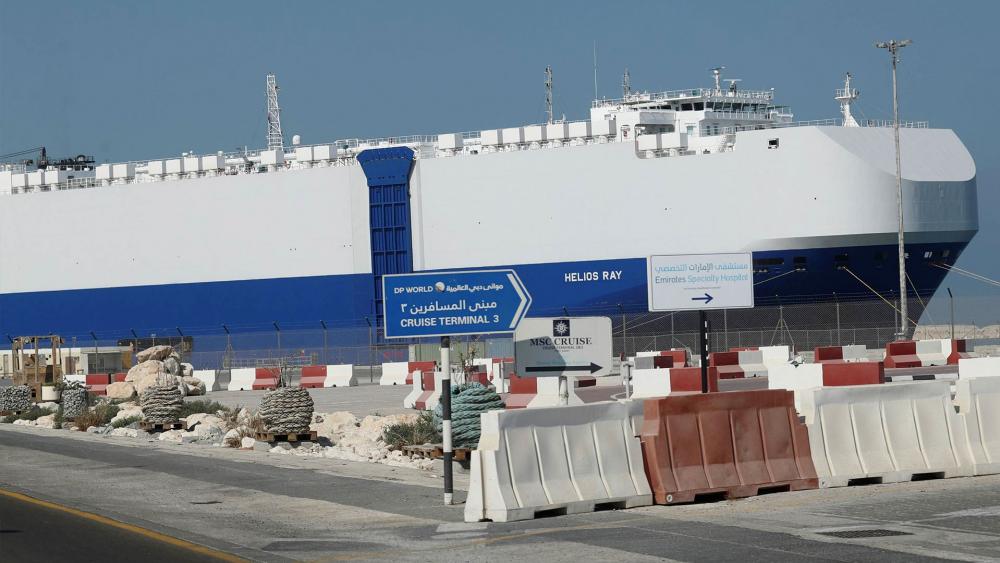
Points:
(893, 47)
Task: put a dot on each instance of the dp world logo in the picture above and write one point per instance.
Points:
(560, 327)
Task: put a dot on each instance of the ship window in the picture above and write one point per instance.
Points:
(699, 106)
(800, 263)
(840, 261)
(685, 107)
(880, 256)
(772, 143)
(945, 253)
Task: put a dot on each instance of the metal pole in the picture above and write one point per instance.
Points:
(446, 417)
(951, 301)
(893, 48)
(627, 378)
(703, 344)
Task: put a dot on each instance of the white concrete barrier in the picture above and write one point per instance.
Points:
(650, 383)
(884, 433)
(797, 379)
(432, 401)
(242, 379)
(207, 376)
(558, 460)
(76, 378)
(933, 352)
(752, 363)
(774, 355)
(394, 373)
(342, 375)
(978, 367)
(855, 353)
(978, 402)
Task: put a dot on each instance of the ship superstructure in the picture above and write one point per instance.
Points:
(305, 232)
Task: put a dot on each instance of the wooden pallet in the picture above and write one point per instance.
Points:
(159, 426)
(733, 492)
(286, 437)
(435, 451)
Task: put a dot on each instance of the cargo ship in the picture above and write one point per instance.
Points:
(298, 234)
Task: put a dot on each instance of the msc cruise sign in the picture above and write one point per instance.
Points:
(453, 303)
(700, 281)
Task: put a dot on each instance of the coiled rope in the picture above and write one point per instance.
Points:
(161, 404)
(287, 410)
(468, 401)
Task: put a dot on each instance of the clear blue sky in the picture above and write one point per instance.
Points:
(132, 80)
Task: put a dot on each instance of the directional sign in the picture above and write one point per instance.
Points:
(563, 346)
(700, 281)
(453, 303)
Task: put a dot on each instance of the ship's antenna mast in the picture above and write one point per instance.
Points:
(275, 139)
(846, 97)
(595, 69)
(626, 85)
(548, 92)
(717, 75)
(893, 47)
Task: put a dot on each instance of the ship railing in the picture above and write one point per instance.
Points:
(822, 122)
(758, 115)
(765, 95)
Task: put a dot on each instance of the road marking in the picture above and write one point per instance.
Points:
(176, 542)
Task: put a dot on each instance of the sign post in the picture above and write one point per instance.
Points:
(446, 304)
(700, 282)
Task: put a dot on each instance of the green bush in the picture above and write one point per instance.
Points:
(100, 415)
(201, 406)
(34, 413)
(418, 432)
(123, 422)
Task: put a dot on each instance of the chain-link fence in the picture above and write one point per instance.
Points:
(802, 327)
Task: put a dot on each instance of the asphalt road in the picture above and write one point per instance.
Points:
(275, 508)
(32, 530)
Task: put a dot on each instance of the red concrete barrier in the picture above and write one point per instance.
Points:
(313, 377)
(734, 444)
(98, 383)
(418, 367)
(663, 362)
(728, 364)
(958, 352)
(118, 377)
(854, 373)
(902, 355)
(827, 354)
(522, 391)
(689, 379)
(266, 378)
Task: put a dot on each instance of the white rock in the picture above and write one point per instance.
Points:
(155, 353)
(49, 406)
(145, 374)
(93, 430)
(187, 370)
(247, 442)
(188, 437)
(121, 390)
(172, 366)
(334, 425)
(195, 385)
(47, 421)
(231, 435)
(127, 412)
(125, 433)
(201, 418)
(22, 422)
(173, 436)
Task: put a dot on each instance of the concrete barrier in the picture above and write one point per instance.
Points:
(266, 378)
(242, 379)
(738, 364)
(427, 381)
(207, 376)
(884, 433)
(775, 355)
(810, 376)
(410, 401)
(662, 382)
(558, 460)
(978, 402)
(118, 377)
(340, 375)
(222, 379)
(734, 444)
(394, 373)
(978, 367)
(312, 377)
(678, 355)
(534, 392)
(98, 383)
(840, 354)
(902, 355)
(933, 352)
(924, 353)
(75, 378)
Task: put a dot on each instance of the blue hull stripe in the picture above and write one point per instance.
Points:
(578, 288)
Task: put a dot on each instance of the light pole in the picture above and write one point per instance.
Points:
(893, 47)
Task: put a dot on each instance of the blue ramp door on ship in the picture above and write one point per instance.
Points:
(388, 174)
